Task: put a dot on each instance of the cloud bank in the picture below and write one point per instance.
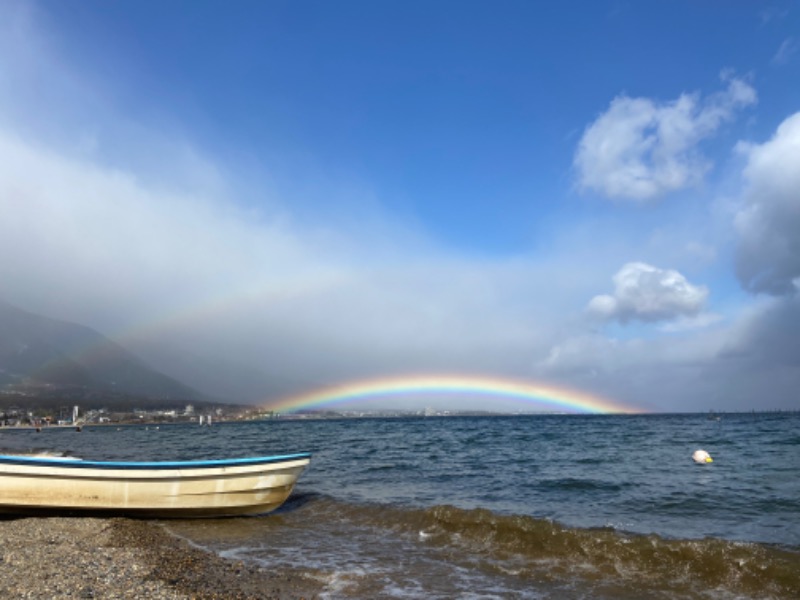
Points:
(248, 304)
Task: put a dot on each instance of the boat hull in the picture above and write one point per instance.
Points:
(32, 485)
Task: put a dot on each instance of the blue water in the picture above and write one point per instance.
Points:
(497, 507)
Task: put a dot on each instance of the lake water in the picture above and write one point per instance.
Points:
(550, 506)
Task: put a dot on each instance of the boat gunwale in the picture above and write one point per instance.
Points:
(46, 461)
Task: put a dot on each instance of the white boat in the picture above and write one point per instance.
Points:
(203, 488)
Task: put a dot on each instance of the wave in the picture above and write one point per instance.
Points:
(574, 484)
(605, 561)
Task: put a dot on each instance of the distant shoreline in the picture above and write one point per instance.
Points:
(378, 414)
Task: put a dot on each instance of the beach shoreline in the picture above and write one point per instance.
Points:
(86, 557)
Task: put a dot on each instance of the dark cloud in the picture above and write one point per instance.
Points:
(768, 224)
(768, 336)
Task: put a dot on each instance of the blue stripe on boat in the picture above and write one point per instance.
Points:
(177, 464)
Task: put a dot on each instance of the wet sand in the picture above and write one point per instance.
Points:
(44, 558)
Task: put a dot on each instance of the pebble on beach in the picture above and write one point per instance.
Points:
(45, 558)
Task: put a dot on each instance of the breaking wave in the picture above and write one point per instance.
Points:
(602, 562)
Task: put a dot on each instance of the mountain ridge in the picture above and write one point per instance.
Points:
(38, 349)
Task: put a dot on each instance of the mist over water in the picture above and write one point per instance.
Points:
(499, 507)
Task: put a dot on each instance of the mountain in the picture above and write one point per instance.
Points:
(38, 350)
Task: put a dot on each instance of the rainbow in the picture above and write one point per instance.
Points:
(534, 395)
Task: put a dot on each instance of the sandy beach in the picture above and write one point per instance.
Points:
(44, 558)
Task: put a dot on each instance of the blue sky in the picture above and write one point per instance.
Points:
(303, 193)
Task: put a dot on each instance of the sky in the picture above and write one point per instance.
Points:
(262, 198)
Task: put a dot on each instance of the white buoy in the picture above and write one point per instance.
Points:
(701, 457)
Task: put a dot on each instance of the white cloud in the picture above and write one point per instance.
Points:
(701, 253)
(771, 14)
(588, 352)
(786, 50)
(684, 323)
(768, 222)
(646, 293)
(640, 149)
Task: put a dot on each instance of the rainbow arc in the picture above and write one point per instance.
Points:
(529, 394)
